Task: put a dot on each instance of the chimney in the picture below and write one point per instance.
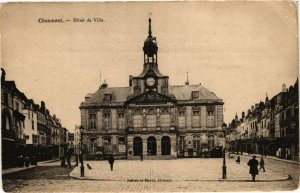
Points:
(130, 80)
(43, 107)
(3, 75)
(104, 85)
(284, 89)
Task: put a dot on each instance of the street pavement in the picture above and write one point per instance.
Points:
(155, 175)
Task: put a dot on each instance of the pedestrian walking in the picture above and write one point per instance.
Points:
(63, 161)
(253, 163)
(262, 164)
(76, 159)
(111, 161)
(141, 156)
(27, 161)
(238, 160)
(68, 157)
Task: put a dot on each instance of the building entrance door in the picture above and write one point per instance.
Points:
(137, 146)
(151, 145)
(190, 152)
(165, 145)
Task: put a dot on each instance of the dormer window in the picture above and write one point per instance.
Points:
(195, 94)
(107, 97)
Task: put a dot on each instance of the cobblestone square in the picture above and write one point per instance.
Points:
(179, 170)
(180, 175)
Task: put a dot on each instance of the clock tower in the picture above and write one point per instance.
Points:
(150, 78)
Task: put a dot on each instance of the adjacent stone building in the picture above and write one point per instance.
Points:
(13, 102)
(27, 128)
(152, 117)
(270, 127)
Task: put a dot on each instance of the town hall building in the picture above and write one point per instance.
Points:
(152, 117)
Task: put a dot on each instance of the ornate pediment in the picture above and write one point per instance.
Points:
(152, 97)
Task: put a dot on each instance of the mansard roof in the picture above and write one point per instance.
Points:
(119, 95)
(151, 97)
(184, 92)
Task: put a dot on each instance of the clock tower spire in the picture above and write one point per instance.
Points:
(150, 78)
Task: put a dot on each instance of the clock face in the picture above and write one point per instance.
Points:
(150, 81)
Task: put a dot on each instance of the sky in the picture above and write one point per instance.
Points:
(238, 50)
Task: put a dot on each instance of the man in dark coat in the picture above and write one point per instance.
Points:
(253, 163)
(111, 161)
(68, 157)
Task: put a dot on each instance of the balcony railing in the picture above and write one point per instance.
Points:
(151, 129)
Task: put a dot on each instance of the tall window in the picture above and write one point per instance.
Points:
(17, 106)
(106, 120)
(5, 98)
(165, 120)
(181, 144)
(181, 119)
(196, 142)
(196, 118)
(32, 124)
(211, 142)
(137, 120)
(121, 121)
(92, 119)
(210, 119)
(151, 120)
(34, 138)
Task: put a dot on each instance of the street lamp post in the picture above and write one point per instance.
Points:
(81, 152)
(224, 176)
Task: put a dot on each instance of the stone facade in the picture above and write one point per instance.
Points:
(270, 127)
(152, 117)
(27, 128)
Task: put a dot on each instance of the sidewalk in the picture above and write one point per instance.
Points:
(270, 157)
(17, 169)
(179, 170)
